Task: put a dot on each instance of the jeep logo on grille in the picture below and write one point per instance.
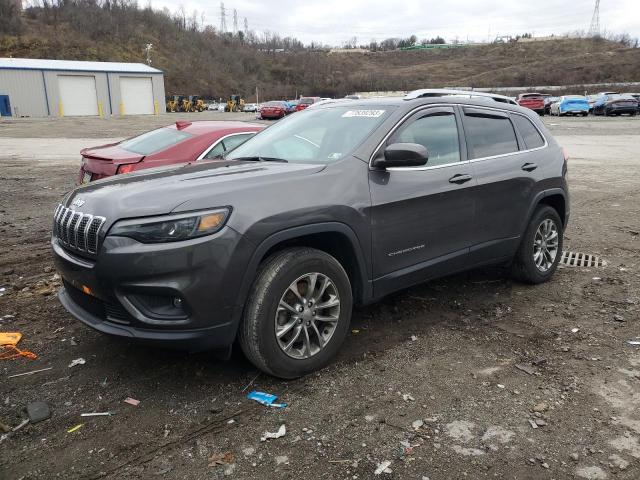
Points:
(78, 202)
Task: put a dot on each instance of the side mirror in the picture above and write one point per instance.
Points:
(402, 155)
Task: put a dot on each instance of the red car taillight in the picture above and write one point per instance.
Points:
(129, 167)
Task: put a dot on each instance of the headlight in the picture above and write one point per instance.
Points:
(172, 228)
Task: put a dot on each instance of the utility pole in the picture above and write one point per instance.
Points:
(257, 100)
(148, 48)
(246, 27)
(594, 28)
(223, 19)
(235, 21)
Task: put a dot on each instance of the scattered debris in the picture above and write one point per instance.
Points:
(280, 433)
(383, 467)
(619, 318)
(97, 414)
(500, 386)
(132, 401)
(408, 398)
(575, 457)
(280, 459)
(225, 458)
(533, 424)
(575, 330)
(29, 373)
(526, 368)
(417, 424)
(247, 452)
(266, 399)
(541, 407)
(540, 422)
(77, 361)
(251, 382)
(635, 343)
(77, 427)
(413, 338)
(8, 348)
(38, 411)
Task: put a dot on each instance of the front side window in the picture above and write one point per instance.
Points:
(438, 133)
(529, 133)
(154, 141)
(488, 135)
(316, 135)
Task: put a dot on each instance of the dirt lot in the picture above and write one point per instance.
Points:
(428, 380)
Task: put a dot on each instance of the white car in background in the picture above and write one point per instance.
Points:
(250, 107)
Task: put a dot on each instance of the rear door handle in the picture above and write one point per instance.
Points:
(460, 178)
(529, 167)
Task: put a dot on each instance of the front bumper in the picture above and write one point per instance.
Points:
(128, 289)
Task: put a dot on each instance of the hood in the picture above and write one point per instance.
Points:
(177, 188)
(111, 153)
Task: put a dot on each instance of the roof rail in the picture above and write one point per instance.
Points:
(442, 92)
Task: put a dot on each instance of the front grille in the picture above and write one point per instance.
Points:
(76, 229)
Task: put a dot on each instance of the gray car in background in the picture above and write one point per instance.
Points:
(335, 206)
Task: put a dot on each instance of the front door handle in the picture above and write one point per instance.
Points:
(460, 178)
(529, 167)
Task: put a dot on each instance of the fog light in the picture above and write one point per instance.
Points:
(177, 302)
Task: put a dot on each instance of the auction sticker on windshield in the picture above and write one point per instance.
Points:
(363, 113)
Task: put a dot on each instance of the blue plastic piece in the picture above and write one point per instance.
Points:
(266, 399)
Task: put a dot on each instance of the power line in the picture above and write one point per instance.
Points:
(594, 28)
(223, 18)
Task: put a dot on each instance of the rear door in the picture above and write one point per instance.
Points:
(422, 217)
(507, 171)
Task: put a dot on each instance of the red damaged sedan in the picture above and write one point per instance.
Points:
(181, 142)
(273, 110)
(534, 101)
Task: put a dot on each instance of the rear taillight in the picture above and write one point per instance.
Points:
(126, 168)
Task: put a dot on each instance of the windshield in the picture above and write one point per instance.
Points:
(274, 104)
(154, 141)
(322, 135)
(306, 101)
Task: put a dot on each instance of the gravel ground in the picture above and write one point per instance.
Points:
(442, 381)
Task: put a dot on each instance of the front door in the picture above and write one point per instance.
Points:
(5, 106)
(422, 217)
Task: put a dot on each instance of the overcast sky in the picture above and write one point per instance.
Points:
(335, 21)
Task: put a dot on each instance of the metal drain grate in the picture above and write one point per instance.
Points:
(578, 259)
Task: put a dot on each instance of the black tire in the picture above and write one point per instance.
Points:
(523, 267)
(257, 331)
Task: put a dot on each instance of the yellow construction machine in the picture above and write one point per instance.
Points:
(173, 104)
(197, 104)
(234, 104)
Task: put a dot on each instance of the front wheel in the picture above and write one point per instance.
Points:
(541, 247)
(298, 313)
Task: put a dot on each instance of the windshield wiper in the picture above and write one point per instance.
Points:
(261, 159)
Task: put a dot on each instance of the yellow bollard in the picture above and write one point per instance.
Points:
(100, 109)
(121, 108)
(156, 110)
(60, 109)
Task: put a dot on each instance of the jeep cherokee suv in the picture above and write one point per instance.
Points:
(335, 206)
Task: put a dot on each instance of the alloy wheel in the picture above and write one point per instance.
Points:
(307, 315)
(545, 245)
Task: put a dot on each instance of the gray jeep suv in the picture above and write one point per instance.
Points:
(338, 205)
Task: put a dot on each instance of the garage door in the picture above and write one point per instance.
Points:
(78, 95)
(137, 95)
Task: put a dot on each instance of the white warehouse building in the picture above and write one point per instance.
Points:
(60, 88)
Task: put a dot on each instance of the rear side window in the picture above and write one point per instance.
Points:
(227, 144)
(437, 132)
(488, 136)
(154, 141)
(530, 134)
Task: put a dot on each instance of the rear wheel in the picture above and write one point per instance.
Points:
(539, 253)
(298, 313)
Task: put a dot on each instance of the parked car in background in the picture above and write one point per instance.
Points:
(548, 100)
(637, 97)
(353, 97)
(337, 206)
(304, 102)
(250, 107)
(616, 104)
(212, 106)
(274, 109)
(534, 101)
(293, 104)
(222, 107)
(570, 105)
(181, 142)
